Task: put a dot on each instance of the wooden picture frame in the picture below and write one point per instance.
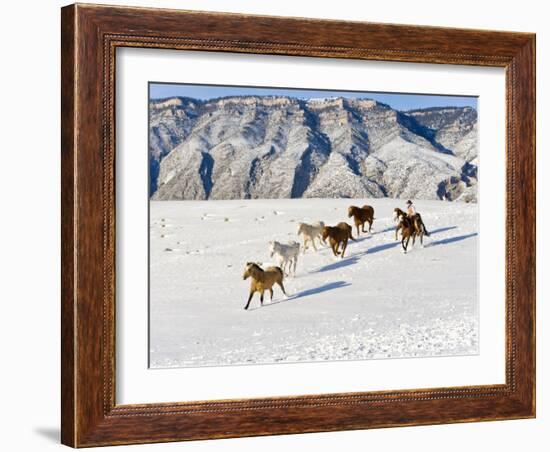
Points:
(90, 36)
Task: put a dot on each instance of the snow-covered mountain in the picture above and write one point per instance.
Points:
(250, 147)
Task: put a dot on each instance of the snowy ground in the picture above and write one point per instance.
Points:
(375, 303)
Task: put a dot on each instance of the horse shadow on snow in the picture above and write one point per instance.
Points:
(457, 238)
(354, 258)
(308, 292)
(437, 231)
(345, 262)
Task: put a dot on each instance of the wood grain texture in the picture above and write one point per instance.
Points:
(68, 147)
(90, 36)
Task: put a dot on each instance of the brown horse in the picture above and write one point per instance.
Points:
(397, 215)
(340, 233)
(409, 228)
(416, 220)
(262, 280)
(361, 215)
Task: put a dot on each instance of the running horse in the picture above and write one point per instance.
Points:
(361, 215)
(262, 280)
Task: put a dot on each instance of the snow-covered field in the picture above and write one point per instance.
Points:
(375, 303)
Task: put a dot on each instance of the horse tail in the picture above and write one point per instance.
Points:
(281, 274)
(351, 235)
(426, 233)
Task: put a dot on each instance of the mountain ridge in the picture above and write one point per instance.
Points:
(242, 147)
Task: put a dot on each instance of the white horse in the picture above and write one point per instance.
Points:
(287, 254)
(310, 232)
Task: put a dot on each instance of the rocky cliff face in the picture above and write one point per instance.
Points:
(455, 128)
(281, 147)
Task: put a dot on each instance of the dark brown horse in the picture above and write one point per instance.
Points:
(262, 280)
(361, 215)
(397, 215)
(410, 227)
(340, 233)
(416, 219)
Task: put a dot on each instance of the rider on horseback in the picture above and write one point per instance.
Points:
(412, 214)
(411, 211)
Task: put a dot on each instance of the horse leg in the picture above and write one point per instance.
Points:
(282, 286)
(313, 243)
(363, 226)
(262, 297)
(271, 293)
(295, 263)
(357, 226)
(345, 244)
(283, 265)
(249, 298)
(334, 246)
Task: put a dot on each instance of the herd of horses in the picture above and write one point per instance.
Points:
(410, 226)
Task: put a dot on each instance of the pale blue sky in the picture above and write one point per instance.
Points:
(398, 101)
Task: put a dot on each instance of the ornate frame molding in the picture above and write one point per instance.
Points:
(90, 37)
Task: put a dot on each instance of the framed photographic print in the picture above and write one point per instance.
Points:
(278, 225)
